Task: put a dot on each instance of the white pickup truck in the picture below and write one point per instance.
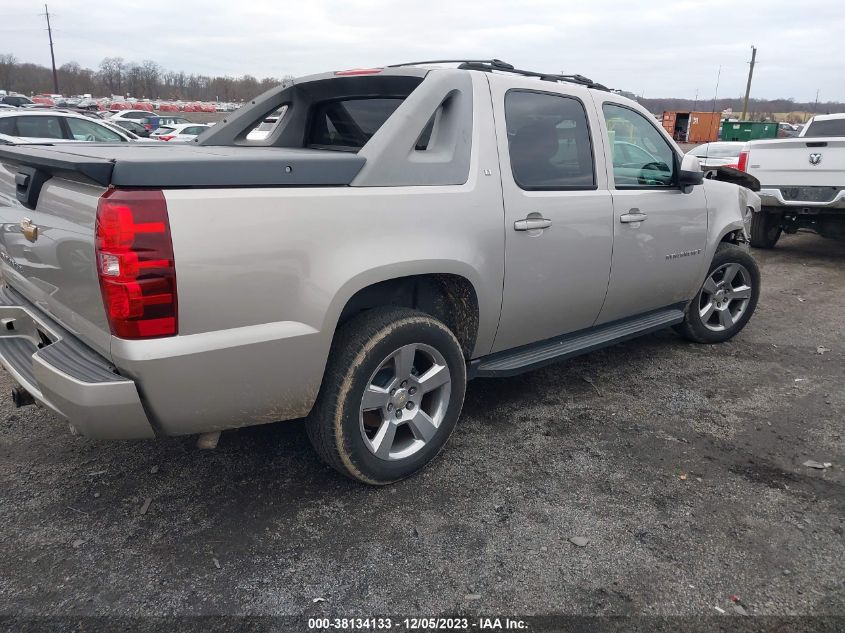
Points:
(802, 181)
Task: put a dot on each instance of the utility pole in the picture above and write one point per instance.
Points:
(748, 87)
(695, 104)
(52, 54)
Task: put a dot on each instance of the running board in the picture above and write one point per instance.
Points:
(527, 357)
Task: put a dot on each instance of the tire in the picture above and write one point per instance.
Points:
(397, 356)
(726, 300)
(765, 229)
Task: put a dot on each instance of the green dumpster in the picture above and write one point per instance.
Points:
(748, 130)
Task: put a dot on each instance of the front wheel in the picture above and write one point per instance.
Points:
(726, 300)
(391, 395)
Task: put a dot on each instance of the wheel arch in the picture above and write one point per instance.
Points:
(446, 292)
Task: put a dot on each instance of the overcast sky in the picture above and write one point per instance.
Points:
(663, 48)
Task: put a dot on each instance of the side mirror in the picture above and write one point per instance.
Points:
(690, 173)
(690, 178)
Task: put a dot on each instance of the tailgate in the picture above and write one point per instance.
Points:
(805, 162)
(47, 252)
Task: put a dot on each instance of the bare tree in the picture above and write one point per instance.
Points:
(8, 62)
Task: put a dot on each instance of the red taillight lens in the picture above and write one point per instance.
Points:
(164, 138)
(135, 263)
(743, 160)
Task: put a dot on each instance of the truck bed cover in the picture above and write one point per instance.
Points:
(166, 164)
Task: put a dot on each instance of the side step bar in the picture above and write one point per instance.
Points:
(528, 357)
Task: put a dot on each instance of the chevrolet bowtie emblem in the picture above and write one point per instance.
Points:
(30, 231)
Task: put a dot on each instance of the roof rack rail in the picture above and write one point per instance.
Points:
(489, 65)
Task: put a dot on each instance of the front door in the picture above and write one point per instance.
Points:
(660, 231)
(558, 212)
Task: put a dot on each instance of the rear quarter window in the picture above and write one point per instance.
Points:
(348, 124)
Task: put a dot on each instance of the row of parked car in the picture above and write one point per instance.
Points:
(27, 125)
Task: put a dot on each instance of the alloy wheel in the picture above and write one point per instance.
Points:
(405, 402)
(725, 297)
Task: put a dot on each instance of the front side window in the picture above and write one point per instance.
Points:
(84, 130)
(39, 127)
(641, 156)
(548, 141)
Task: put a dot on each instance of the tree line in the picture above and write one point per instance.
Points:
(116, 76)
(758, 109)
(147, 79)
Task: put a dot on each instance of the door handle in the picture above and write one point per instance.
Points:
(531, 224)
(634, 215)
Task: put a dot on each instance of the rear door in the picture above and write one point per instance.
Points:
(558, 211)
(659, 230)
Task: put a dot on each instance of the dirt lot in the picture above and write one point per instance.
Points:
(681, 464)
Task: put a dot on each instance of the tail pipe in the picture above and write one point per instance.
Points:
(21, 397)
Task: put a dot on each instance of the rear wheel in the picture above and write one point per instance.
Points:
(726, 300)
(765, 229)
(391, 395)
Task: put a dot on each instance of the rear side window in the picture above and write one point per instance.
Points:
(348, 124)
(548, 141)
(7, 126)
(39, 127)
(831, 127)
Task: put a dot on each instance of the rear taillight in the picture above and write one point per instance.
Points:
(742, 164)
(165, 138)
(135, 263)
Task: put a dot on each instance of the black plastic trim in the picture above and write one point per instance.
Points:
(535, 355)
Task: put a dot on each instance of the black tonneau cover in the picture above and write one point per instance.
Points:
(164, 164)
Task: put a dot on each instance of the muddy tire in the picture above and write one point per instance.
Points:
(726, 300)
(765, 229)
(391, 395)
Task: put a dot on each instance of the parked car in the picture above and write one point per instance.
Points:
(22, 126)
(787, 130)
(131, 126)
(180, 133)
(409, 229)
(718, 154)
(16, 100)
(266, 126)
(802, 181)
(154, 122)
(131, 115)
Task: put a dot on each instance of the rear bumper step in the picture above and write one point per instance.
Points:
(66, 376)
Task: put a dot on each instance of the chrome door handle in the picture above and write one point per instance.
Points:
(634, 215)
(531, 224)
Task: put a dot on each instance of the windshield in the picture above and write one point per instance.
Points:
(828, 127)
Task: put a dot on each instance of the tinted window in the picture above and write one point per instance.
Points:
(39, 127)
(548, 141)
(349, 124)
(641, 156)
(7, 126)
(831, 127)
(84, 130)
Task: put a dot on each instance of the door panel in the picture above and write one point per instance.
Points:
(659, 230)
(558, 213)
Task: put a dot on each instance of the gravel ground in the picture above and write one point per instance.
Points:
(681, 464)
